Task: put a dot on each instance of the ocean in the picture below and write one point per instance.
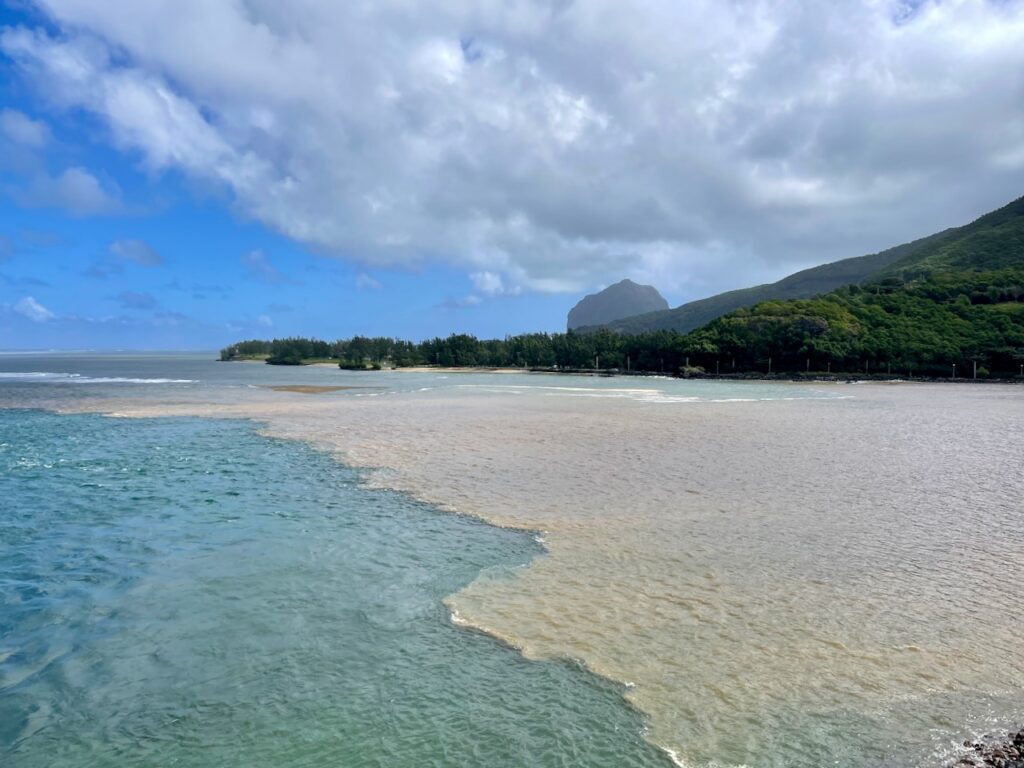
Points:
(501, 569)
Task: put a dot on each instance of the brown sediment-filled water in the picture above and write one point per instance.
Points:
(830, 580)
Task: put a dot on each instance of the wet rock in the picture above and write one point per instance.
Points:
(1005, 752)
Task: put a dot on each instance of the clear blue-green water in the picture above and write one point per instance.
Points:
(185, 592)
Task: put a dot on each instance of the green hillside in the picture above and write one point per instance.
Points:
(800, 285)
(994, 241)
(958, 299)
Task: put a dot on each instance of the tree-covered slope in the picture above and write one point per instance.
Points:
(994, 241)
(800, 285)
(924, 327)
(957, 300)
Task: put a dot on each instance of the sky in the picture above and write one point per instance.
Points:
(182, 174)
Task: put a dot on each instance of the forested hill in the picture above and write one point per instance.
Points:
(957, 300)
(994, 241)
(991, 242)
(800, 285)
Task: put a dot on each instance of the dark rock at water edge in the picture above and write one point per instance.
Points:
(624, 299)
(1007, 752)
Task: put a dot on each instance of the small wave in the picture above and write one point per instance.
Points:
(47, 377)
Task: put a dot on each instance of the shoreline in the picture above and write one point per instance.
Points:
(798, 377)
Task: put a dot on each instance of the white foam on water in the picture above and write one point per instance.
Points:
(48, 377)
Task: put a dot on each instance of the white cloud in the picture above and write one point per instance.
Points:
(489, 283)
(492, 284)
(75, 190)
(364, 280)
(561, 145)
(264, 321)
(136, 252)
(22, 130)
(30, 308)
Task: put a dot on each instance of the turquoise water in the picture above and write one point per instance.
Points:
(184, 592)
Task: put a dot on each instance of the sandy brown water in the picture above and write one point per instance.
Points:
(783, 583)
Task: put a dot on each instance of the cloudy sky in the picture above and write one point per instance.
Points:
(181, 173)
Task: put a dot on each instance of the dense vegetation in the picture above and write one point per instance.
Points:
(660, 351)
(957, 299)
(357, 352)
(922, 328)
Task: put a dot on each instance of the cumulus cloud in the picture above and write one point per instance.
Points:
(29, 308)
(561, 145)
(261, 270)
(136, 252)
(492, 284)
(264, 321)
(75, 190)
